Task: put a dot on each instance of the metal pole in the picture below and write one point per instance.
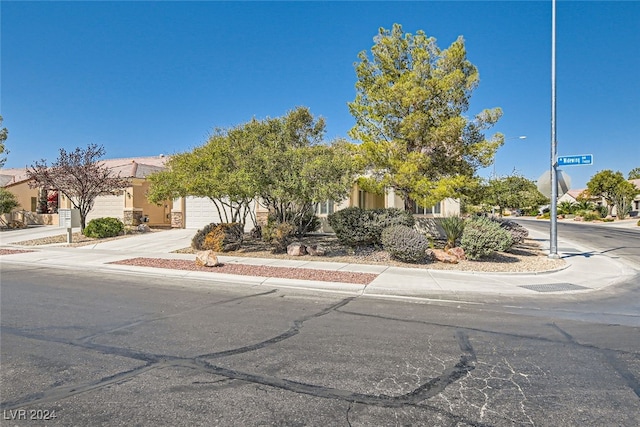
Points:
(553, 242)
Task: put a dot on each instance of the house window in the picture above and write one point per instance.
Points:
(325, 207)
(34, 204)
(419, 210)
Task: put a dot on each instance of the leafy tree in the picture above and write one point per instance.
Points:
(281, 162)
(409, 106)
(608, 185)
(634, 173)
(4, 133)
(623, 197)
(8, 202)
(79, 176)
(512, 192)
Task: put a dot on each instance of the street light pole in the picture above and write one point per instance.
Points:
(553, 238)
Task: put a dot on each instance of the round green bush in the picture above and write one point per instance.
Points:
(482, 237)
(405, 244)
(104, 227)
(362, 227)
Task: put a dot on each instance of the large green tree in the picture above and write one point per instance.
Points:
(280, 162)
(411, 98)
(511, 192)
(8, 202)
(4, 133)
(634, 173)
(614, 189)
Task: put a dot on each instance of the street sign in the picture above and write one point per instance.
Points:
(576, 160)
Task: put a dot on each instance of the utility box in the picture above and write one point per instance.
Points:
(69, 218)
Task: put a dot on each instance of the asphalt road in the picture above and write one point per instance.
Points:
(620, 243)
(129, 351)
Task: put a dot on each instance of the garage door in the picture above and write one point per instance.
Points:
(200, 211)
(107, 206)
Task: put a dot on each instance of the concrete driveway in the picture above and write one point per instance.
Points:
(31, 232)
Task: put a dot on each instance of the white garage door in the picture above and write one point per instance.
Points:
(107, 206)
(200, 211)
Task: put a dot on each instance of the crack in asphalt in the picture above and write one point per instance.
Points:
(434, 386)
(611, 357)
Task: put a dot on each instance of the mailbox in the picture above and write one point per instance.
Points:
(69, 218)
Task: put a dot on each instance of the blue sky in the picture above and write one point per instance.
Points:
(145, 78)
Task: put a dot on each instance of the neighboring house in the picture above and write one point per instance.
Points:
(130, 204)
(37, 206)
(635, 205)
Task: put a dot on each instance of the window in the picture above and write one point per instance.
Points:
(419, 210)
(324, 208)
(34, 204)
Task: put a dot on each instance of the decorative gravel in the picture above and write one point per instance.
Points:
(253, 270)
(12, 251)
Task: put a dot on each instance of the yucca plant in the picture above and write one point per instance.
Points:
(453, 227)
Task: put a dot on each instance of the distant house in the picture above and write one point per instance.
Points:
(130, 205)
(635, 205)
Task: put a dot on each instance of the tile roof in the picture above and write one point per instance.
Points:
(131, 167)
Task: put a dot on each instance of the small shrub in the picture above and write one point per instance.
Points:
(362, 227)
(405, 244)
(453, 227)
(518, 232)
(482, 237)
(103, 227)
(607, 219)
(224, 238)
(638, 223)
(198, 240)
(278, 235)
(602, 210)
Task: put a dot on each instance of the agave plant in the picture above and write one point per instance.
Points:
(453, 227)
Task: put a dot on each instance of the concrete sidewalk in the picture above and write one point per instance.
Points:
(585, 270)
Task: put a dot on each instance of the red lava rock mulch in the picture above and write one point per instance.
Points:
(13, 251)
(256, 270)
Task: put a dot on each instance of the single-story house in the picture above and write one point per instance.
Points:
(196, 212)
(129, 204)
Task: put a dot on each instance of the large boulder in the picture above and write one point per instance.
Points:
(296, 249)
(207, 259)
(442, 256)
(315, 250)
(457, 252)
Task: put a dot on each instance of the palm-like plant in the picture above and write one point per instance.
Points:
(453, 227)
(566, 207)
(584, 205)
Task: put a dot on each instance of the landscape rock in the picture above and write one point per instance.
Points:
(296, 249)
(444, 257)
(207, 259)
(457, 252)
(315, 250)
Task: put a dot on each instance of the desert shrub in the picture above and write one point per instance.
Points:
(278, 235)
(602, 210)
(103, 227)
(482, 237)
(361, 227)
(638, 223)
(306, 223)
(517, 231)
(453, 227)
(224, 237)
(197, 241)
(589, 215)
(607, 219)
(405, 244)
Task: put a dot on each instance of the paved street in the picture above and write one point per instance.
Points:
(130, 350)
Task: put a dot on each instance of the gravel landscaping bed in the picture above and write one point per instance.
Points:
(255, 270)
(13, 251)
